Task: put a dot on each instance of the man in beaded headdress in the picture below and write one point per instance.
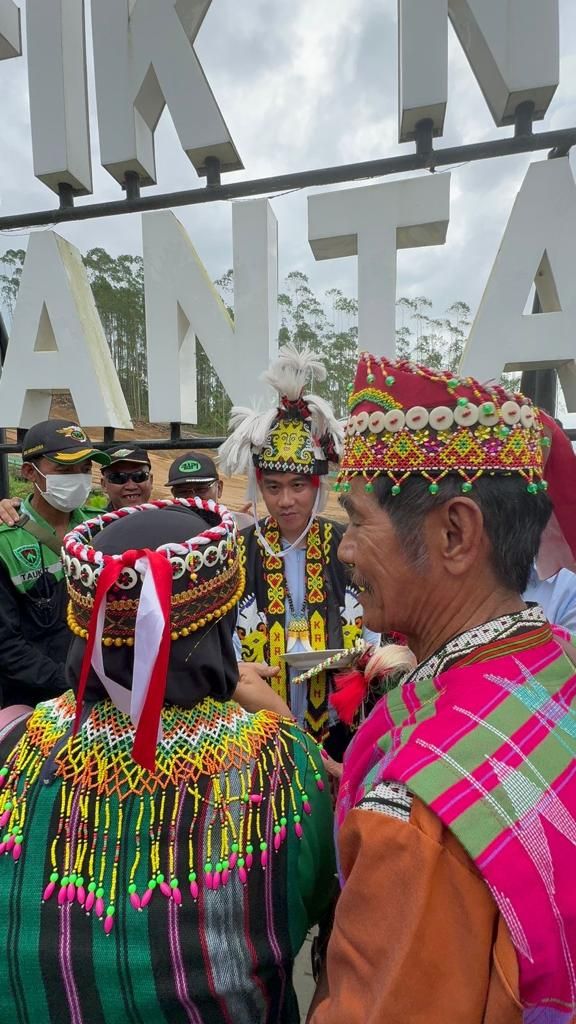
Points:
(165, 851)
(297, 595)
(457, 806)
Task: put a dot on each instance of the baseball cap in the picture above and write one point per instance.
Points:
(192, 468)
(61, 441)
(123, 453)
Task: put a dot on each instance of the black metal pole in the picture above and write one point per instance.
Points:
(154, 444)
(428, 158)
(540, 385)
(4, 476)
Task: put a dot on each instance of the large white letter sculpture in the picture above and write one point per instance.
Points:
(539, 247)
(58, 94)
(57, 342)
(144, 58)
(512, 47)
(10, 34)
(182, 305)
(373, 222)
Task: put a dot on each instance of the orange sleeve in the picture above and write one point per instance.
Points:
(415, 931)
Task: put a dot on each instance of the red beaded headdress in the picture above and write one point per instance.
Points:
(407, 419)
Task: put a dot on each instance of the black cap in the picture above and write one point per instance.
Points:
(192, 468)
(61, 441)
(124, 453)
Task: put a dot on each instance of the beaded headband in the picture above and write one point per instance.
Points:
(207, 576)
(183, 587)
(408, 420)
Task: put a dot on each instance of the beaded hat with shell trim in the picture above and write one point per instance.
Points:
(407, 420)
(299, 434)
(207, 579)
(147, 599)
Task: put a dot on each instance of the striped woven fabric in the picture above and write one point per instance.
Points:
(489, 745)
(179, 897)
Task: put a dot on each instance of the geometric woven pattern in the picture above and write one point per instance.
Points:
(406, 419)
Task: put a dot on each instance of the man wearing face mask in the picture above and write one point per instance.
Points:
(34, 637)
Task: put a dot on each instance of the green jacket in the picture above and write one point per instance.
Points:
(34, 637)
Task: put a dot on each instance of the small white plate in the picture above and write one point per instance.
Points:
(305, 660)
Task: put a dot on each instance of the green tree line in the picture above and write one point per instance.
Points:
(327, 323)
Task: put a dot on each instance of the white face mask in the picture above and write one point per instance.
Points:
(66, 491)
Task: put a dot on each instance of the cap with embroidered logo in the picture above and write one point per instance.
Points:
(125, 453)
(61, 441)
(192, 468)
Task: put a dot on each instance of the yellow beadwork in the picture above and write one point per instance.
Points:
(216, 759)
(110, 641)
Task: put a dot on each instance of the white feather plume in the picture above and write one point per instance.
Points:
(324, 421)
(290, 372)
(249, 429)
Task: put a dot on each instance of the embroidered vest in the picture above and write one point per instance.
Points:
(333, 611)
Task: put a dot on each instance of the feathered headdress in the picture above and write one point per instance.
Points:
(300, 434)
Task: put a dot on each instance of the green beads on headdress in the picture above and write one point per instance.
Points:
(434, 488)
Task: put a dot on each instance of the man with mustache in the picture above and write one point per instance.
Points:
(128, 479)
(457, 806)
(298, 596)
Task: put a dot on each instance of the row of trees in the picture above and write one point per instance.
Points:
(328, 324)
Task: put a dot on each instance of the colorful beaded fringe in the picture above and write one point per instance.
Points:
(219, 770)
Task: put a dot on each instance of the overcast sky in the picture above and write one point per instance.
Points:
(303, 84)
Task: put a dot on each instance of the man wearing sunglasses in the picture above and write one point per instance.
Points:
(128, 479)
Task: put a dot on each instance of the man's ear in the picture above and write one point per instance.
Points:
(27, 470)
(460, 534)
(220, 488)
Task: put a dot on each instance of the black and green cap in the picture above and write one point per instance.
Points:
(61, 441)
(192, 468)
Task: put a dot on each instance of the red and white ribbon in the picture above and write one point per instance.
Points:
(151, 649)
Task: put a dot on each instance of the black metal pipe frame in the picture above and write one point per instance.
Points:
(155, 444)
(425, 158)
(159, 444)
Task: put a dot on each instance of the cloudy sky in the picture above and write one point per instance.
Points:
(303, 84)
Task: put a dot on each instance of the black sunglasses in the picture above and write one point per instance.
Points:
(119, 477)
